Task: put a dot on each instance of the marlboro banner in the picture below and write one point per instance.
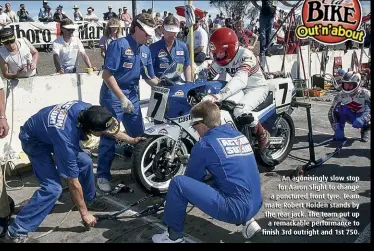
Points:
(39, 33)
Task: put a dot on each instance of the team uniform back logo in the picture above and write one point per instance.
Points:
(58, 115)
(238, 146)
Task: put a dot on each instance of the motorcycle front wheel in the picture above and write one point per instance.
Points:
(154, 177)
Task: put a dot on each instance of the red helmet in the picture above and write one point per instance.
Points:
(224, 40)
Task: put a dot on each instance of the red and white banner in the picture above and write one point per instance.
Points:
(39, 33)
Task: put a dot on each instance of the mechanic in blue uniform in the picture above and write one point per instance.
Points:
(168, 50)
(126, 59)
(58, 130)
(235, 196)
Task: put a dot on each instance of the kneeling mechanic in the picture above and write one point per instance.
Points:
(235, 196)
(58, 130)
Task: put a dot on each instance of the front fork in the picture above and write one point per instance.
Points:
(176, 146)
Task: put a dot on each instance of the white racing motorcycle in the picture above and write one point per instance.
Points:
(156, 160)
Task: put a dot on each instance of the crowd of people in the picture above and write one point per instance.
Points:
(235, 197)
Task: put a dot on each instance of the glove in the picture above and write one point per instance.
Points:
(212, 97)
(126, 105)
(358, 123)
(184, 159)
(339, 134)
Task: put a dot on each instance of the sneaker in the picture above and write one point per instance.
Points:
(164, 238)
(250, 228)
(104, 185)
(19, 239)
(365, 134)
(96, 205)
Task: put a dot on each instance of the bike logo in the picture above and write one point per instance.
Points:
(331, 21)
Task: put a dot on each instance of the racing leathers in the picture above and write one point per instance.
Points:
(235, 196)
(246, 76)
(352, 108)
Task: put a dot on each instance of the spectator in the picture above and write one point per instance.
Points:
(46, 15)
(42, 9)
(23, 14)
(91, 16)
(165, 15)
(77, 14)
(200, 41)
(158, 17)
(170, 14)
(150, 11)
(120, 13)
(11, 14)
(112, 32)
(59, 16)
(126, 17)
(245, 36)
(144, 11)
(4, 19)
(158, 31)
(215, 27)
(217, 20)
(66, 49)
(18, 57)
(210, 22)
(228, 23)
(110, 14)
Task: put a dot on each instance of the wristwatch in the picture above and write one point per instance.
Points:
(2, 117)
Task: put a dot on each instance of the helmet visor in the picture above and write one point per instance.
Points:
(349, 86)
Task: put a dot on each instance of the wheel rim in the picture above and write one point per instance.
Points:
(283, 131)
(147, 162)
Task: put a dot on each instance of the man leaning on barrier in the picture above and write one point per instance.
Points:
(18, 57)
(66, 49)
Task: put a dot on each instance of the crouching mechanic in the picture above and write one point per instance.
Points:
(235, 197)
(241, 64)
(58, 130)
(352, 105)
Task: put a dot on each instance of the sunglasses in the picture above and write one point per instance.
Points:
(9, 41)
(196, 123)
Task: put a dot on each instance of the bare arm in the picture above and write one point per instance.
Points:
(4, 127)
(76, 191)
(253, 44)
(187, 73)
(86, 59)
(103, 52)
(56, 61)
(121, 136)
(4, 70)
(152, 82)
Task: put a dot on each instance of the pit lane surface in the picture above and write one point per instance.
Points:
(353, 160)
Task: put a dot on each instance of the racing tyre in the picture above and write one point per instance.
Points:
(286, 130)
(150, 169)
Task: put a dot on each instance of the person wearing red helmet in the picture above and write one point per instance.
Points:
(352, 105)
(242, 65)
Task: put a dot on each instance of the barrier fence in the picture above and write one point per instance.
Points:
(39, 33)
(27, 96)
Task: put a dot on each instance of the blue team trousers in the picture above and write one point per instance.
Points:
(44, 199)
(183, 190)
(133, 124)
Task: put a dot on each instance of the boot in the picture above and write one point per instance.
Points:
(262, 136)
(365, 134)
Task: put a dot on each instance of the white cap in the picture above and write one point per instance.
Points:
(148, 29)
(171, 28)
(109, 6)
(69, 26)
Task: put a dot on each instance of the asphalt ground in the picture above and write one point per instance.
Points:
(352, 165)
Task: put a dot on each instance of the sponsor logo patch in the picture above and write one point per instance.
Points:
(163, 132)
(58, 115)
(127, 65)
(164, 65)
(162, 54)
(150, 130)
(129, 52)
(144, 55)
(238, 146)
(179, 93)
(180, 53)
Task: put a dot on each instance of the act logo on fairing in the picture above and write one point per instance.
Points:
(331, 21)
(238, 146)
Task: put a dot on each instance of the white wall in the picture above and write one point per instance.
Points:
(27, 96)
